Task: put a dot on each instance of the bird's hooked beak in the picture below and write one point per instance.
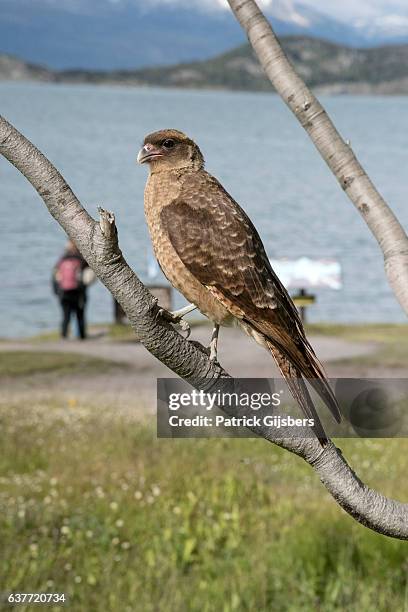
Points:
(148, 152)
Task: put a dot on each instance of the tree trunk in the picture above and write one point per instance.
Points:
(338, 155)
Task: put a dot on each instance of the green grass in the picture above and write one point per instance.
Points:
(109, 330)
(93, 505)
(392, 341)
(26, 363)
(374, 332)
(50, 336)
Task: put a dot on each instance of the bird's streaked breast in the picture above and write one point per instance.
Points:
(162, 189)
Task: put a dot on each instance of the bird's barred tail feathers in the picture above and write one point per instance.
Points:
(298, 388)
(315, 374)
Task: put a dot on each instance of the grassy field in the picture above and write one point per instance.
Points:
(27, 363)
(93, 505)
(392, 341)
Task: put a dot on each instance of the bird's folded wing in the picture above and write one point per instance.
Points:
(219, 245)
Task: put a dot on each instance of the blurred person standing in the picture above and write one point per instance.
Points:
(71, 277)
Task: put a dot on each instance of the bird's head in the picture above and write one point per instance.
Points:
(170, 150)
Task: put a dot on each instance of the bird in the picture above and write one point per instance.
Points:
(210, 251)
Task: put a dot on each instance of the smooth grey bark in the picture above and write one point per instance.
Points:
(338, 154)
(98, 243)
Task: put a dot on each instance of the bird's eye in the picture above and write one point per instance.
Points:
(168, 143)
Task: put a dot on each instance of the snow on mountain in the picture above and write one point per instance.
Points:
(109, 34)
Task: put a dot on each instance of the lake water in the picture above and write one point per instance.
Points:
(252, 144)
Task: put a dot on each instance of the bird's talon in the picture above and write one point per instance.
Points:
(167, 315)
(174, 319)
(185, 327)
(213, 355)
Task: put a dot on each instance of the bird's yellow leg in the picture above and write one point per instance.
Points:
(214, 342)
(183, 311)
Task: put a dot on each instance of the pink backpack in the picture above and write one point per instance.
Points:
(69, 274)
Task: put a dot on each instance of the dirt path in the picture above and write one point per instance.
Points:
(134, 387)
(238, 354)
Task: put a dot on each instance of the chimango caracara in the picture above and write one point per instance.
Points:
(210, 251)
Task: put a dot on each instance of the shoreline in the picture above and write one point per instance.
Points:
(341, 89)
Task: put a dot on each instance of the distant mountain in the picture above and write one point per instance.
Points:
(324, 65)
(329, 67)
(125, 34)
(14, 69)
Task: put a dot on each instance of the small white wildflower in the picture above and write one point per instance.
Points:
(156, 490)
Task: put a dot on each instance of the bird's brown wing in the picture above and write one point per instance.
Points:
(217, 242)
(220, 246)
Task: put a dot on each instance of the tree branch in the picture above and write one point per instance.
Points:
(98, 243)
(338, 155)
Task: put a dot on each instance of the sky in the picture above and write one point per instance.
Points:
(344, 10)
